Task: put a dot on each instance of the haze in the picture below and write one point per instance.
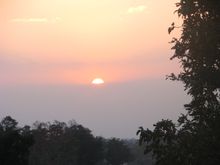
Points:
(51, 50)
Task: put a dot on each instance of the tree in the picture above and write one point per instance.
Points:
(90, 149)
(14, 142)
(137, 152)
(58, 143)
(195, 138)
(117, 152)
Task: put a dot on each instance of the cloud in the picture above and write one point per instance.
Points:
(136, 9)
(29, 20)
(35, 20)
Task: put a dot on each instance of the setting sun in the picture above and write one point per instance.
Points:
(94, 61)
(97, 81)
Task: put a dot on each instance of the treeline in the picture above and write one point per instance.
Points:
(59, 143)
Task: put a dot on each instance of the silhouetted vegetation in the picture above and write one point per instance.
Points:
(117, 152)
(59, 143)
(195, 138)
(15, 142)
(137, 153)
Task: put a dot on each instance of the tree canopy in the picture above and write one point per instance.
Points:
(15, 142)
(195, 138)
(117, 152)
(58, 143)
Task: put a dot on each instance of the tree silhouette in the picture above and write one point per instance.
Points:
(195, 138)
(58, 143)
(14, 142)
(117, 152)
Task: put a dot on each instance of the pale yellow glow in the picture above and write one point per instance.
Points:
(97, 81)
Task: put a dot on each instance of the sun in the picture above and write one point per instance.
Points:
(98, 81)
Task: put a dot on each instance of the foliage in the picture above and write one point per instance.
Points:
(117, 152)
(195, 138)
(137, 153)
(59, 143)
(14, 142)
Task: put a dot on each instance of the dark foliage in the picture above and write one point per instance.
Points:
(14, 142)
(117, 152)
(195, 138)
(59, 143)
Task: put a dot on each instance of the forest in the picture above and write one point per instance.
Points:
(61, 143)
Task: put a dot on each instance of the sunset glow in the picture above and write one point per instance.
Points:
(97, 81)
(64, 42)
(102, 63)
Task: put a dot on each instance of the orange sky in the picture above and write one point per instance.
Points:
(51, 50)
(66, 41)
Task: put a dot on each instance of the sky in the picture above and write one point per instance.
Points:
(51, 50)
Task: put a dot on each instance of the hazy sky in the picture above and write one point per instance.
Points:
(50, 51)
